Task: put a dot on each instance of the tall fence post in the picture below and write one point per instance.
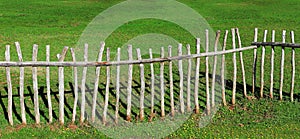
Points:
(83, 80)
(196, 93)
(282, 65)
(75, 76)
(262, 71)
(142, 91)
(213, 82)
(9, 86)
(293, 67)
(207, 72)
(272, 65)
(129, 85)
(162, 86)
(223, 69)
(254, 63)
(35, 85)
(171, 81)
(234, 67)
(180, 79)
(48, 84)
(107, 87)
(242, 63)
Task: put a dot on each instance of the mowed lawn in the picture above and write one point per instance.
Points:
(60, 23)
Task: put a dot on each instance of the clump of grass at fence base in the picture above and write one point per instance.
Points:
(248, 119)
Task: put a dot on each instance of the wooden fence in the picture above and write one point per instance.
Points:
(162, 60)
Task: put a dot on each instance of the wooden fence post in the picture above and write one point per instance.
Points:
(107, 87)
(282, 66)
(214, 70)
(254, 63)
(48, 84)
(129, 85)
(207, 72)
(262, 66)
(171, 81)
(180, 79)
(196, 93)
(35, 85)
(293, 67)
(223, 69)
(9, 86)
(272, 66)
(96, 83)
(234, 67)
(75, 76)
(188, 105)
(142, 76)
(61, 86)
(83, 80)
(162, 86)
(21, 91)
(152, 83)
(242, 62)
(117, 85)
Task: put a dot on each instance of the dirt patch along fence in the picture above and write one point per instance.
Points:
(174, 87)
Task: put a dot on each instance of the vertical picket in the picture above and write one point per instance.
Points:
(197, 77)
(96, 83)
(162, 90)
(293, 67)
(83, 80)
(223, 69)
(142, 91)
(214, 69)
(75, 75)
(272, 66)
(171, 81)
(152, 82)
(262, 66)
(254, 63)
(282, 65)
(9, 86)
(21, 91)
(129, 85)
(117, 85)
(61, 87)
(35, 85)
(107, 87)
(180, 79)
(48, 84)
(234, 67)
(188, 101)
(207, 72)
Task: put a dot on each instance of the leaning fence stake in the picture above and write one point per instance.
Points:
(234, 67)
(171, 81)
(117, 85)
(21, 91)
(254, 63)
(9, 86)
(262, 66)
(282, 66)
(96, 83)
(293, 67)
(223, 69)
(61, 86)
(242, 62)
(75, 75)
(129, 85)
(188, 47)
(214, 70)
(197, 77)
(48, 84)
(180, 79)
(107, 87)
(207, 73)
(35, 85)
(162, 87)
(152, 83)
(272, 66)
(142, 91)
(83, 80)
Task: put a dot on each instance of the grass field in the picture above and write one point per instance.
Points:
(60, 23)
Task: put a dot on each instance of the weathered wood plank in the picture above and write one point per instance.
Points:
(117, 86)
(75, 76)
(223, 70)
(242, 63)
(214, 69)
(48, 84)
(35, 85)
(180, 69)
(152, 82)
(162, 86)
(282, 66)
(272, 66)
(107, 87)
(293, 67)
(142, 91)
(171, 81)
(129, 85)
(9, 87)
(189, 72)
(196, 90)
(207, 72)
(61, 85)
(262, 70)
(96, 82)
(254, 63)
(234, 68)
(83, 80)
(21, 84)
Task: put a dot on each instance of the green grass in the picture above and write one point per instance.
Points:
(60, 23)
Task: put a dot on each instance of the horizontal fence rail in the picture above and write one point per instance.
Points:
(187, 97)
